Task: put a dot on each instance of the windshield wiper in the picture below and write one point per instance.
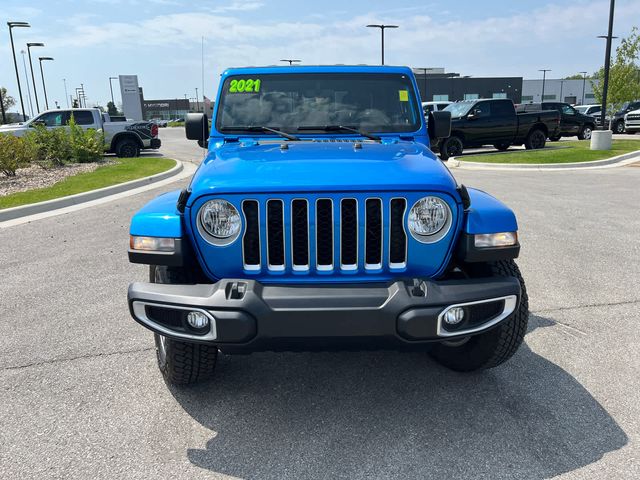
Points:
(260, 128)
(336, 128)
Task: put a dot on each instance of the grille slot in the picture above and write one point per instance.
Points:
(349, 234)
(251, 238)
(373, 234)
(324, 234)
(397, 235)
(300, 234)
(275, 235)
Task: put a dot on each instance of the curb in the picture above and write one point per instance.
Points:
(618, 161)
(78, 198)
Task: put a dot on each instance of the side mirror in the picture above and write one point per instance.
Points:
(196, 127)
(439, 125)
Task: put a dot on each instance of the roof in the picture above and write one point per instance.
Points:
(275, 69)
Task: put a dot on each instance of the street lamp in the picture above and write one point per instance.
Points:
(382, 28)
(15, 62)
(544, 77)
(584, 81)
(26, 75)
(290, 60)
(111, 88)
(33, 78)
(607, 61)
(44, 87)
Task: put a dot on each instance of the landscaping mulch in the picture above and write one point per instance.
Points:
(37, 177)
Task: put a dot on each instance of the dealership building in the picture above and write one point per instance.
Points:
(575, 92)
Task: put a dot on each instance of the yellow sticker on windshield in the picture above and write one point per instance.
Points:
(404, 95)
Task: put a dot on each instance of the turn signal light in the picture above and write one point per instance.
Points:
(152, 244)
(503, 239)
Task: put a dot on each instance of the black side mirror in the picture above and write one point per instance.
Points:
(197, 128)
(439, 125)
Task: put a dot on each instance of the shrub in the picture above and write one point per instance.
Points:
(86, 145)
(15, 152)
(51, 148)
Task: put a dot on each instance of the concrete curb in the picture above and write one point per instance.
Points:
(57, 203)
(618, 161)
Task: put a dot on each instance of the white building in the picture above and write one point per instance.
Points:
(575, 92)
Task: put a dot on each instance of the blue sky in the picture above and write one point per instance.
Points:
(160, 40)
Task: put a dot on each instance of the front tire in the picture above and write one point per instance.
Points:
(586, 132)
(496, 346)
(181, 363)
(618, 127)
(535, 140)
(451, 147)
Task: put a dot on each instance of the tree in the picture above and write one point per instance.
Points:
(624, 74)
(575, 76)
(111, 109)
(7, 101)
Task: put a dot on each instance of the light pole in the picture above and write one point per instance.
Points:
(290, 60)
(544, 77)
(584, 81)
(33, 78)
(197, 101)
(44, 87)
(84, 98)
(382, 28)
(24, 64)
(111, 88)
(66, 95)
(15, 62)
(607, 61)
(78, 97)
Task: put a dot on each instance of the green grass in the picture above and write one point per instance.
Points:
(175, 124)
(124, 170)
(574, 152)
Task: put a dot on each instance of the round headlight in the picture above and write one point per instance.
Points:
(428, 216)
(220, 219)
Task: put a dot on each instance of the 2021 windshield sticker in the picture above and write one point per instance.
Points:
(249, 85)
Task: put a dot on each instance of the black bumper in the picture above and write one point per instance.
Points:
(248, 316)
(155, 143)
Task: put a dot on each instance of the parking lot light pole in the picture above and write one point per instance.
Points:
(607, 61)
(11, 25)
(584, 81)
(544, 77)
(26, 76)
(33, 78)
(111, 88)
(66, 95)
(44, 87)
(382, 28)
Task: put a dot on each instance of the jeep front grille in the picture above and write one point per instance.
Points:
(324, 235)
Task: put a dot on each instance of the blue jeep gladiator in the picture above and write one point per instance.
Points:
(320, 219)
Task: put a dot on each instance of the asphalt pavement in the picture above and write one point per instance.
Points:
(82, 398)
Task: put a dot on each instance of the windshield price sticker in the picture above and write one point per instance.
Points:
(404, 95)
(249, 85)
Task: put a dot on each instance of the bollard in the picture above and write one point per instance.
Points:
(601, 139)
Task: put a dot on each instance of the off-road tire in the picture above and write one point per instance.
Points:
(451, 147)
(535, 139)
(618, 127)
(127, 148)
(586, 132)
(181, 363)
(496, 346)
(501, 146)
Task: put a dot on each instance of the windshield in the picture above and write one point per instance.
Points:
(368, 102)
(459, 109)
(582, 109)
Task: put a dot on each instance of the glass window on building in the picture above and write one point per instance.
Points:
(527, 98)
(500, 95)
(549, 97)
(471, 96)
(589, 96)
(441, 98)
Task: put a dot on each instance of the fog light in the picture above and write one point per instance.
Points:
(197, 320)
(454, 316)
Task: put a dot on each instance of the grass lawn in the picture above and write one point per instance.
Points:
(575, 152)
(124, 170)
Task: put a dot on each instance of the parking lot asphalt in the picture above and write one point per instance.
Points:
(82, 397)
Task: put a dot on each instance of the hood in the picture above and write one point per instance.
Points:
(309, 166)
(12, 126)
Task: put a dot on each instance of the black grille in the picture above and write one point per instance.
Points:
(349, 232)
(324, 232)
(251, 239)
(300, 232)
(483, 312)
(397, 237)
(373, 247)
(275, 232)
(166, 317)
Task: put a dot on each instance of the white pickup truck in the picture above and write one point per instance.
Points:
(125, 139)
(632, 122)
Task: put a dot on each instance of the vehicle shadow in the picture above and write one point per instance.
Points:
(396, 415)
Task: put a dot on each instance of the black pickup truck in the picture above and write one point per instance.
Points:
(495, 122)
(572, 122)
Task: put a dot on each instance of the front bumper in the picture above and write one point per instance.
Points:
(247, 316)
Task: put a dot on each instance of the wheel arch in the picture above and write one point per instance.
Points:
(123, 136)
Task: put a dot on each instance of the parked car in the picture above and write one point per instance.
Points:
(125, 139)
(593, 110)
(632, 121)
(160, 122)
(312, 235)
(434, 106)
(495, 122)
(572, 122)
(618, 124)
